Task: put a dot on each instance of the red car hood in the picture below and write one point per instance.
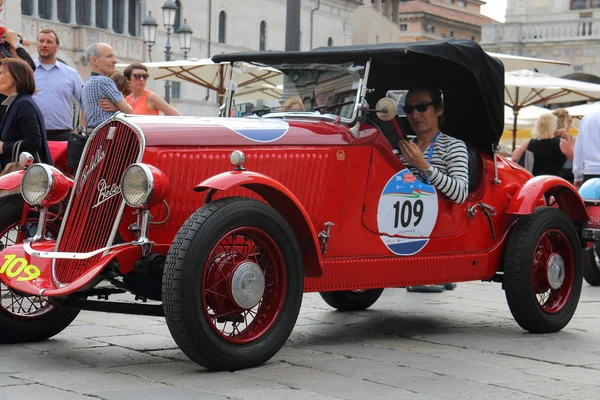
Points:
(201, 131)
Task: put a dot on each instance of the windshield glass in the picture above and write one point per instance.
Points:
(327, 89)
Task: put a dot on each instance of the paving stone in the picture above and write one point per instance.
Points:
(141, 342)
(109, 356)
(6, 380)
(45, 361)
(87, 380)
(326, 383)
(9, 350)
(37, 392)
(160, 393)
(64, 342)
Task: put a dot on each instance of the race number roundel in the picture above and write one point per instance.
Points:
(407, 207)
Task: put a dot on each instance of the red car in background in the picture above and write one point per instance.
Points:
(223, 223)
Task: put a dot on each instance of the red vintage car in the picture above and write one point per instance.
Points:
(223, 223)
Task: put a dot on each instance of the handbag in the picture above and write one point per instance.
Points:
(527, 160)
(14, 165)
(75, 147)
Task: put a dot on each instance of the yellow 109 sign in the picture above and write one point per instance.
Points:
(15, 266)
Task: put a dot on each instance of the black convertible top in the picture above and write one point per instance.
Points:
(472, 81)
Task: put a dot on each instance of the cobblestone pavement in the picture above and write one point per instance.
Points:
(462, 344)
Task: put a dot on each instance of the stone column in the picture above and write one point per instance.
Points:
(395, 5)
(126, 17)
(73, 17)
(109, 24)
(377, 5)
(54, 15)
(93, 13)
(387, 8)
(36, 10)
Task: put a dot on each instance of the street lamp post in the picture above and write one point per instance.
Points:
(149, 25)
(169, 9)
(185, 38)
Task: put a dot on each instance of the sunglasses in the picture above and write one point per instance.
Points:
(141, 76)
(421, 107)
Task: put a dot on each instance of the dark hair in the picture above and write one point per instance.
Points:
(52, 31)
(121, 83)
(129, 69)
(21, 73)
(437, 96)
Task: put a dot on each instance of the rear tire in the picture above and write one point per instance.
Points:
(233, 284)
(25, 318)
(543, 270)
(591, 269)
(352, 300)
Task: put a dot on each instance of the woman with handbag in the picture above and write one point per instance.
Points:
(23, 123)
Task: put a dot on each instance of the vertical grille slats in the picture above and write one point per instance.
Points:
(91, 216)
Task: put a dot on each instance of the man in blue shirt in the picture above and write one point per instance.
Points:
(58, 85)
(99, 86)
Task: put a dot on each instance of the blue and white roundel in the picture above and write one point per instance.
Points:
(407, 207)
(257, 130)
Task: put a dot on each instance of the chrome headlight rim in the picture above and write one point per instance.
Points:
(49, 175)
(149, 179)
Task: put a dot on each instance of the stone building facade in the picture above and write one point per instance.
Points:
(566, 30)
(381, 21)
(220, 26)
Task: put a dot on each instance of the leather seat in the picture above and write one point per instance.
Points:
(474, 167)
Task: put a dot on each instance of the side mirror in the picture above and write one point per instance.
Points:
(385, 109)
(26, 159)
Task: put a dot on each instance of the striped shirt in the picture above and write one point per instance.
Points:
(450, 163)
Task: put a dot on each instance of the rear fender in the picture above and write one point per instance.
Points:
(531, 195)
(282, 200)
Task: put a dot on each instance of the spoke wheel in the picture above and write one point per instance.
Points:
(543, 270)
(232, 284)
(243, 286)
(25, 318)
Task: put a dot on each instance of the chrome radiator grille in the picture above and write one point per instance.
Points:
(96, 203)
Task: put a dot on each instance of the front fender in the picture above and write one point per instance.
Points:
(528, 197)
(282, 200)
(12, 180)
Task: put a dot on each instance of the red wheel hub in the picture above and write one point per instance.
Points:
(243, 286)
(553, 271)
(14, 303)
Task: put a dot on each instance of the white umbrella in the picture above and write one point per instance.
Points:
(524, 88)
(514, 63)
(527, 116)
(583, 109)
(265, 81)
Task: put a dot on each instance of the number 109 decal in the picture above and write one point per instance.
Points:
(15, 266)
(407, 207)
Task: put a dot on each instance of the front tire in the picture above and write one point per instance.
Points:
(543, 270)
(233, 284)
(25, 318)
(351, 300)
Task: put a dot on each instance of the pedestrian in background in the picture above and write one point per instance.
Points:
(550, 150)
(58, 87)
(23, 121)
(144, 101)
(122, 84)
(564, 120)
(586, 160)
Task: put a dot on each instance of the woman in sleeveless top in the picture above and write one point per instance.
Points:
(550, 150)
(143, 101)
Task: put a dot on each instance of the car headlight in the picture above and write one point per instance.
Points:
(43, 185)
(143, 185)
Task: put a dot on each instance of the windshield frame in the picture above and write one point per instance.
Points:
(360, 92)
